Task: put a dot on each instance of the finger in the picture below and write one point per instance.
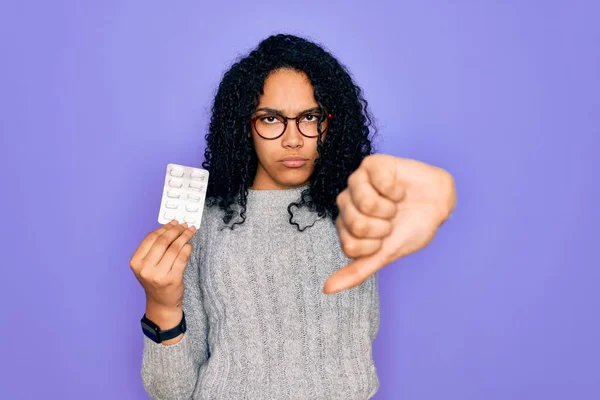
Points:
(360, 225)
(366, 199)
(162, 243)
(353, 247)
(415, 229)
(181, 262)
(148, 242)
(166, 262)
(383, 175)
(353, 274)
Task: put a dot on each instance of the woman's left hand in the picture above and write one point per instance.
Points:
(392, 207)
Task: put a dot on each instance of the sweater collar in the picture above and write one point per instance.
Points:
(272, 204)
(274, 199)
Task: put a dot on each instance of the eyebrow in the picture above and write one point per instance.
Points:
(275, 111)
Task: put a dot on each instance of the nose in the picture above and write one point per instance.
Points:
(292, 137)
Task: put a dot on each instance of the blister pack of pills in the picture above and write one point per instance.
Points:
(183, 196)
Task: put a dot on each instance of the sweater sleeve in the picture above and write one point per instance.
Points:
(171, 371)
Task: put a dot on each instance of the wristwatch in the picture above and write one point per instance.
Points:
(153, 331)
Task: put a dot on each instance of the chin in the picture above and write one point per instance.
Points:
(293, 183)
(296, 179)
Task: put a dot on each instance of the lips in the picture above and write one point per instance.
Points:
(293, 162)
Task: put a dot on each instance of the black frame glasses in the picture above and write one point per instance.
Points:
(270, 113)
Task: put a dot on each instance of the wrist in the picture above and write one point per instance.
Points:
(165, 317)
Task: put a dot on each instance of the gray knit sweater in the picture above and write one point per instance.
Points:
(259, 325)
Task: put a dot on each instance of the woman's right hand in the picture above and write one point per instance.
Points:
(159, 263)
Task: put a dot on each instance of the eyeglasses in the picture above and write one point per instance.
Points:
(270, 124)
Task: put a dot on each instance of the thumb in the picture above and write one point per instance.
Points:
(353, 274)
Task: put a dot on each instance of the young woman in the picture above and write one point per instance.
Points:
(238, 309)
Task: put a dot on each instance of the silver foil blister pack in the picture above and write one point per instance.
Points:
(184, 193)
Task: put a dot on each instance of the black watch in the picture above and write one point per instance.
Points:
(153, 331)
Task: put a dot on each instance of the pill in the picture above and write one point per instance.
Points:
(191, 208)
(176, 183)
(194, 197)
(197, 175)
(190, 220)
(171, 204)
(176, 172)
(196, 186)
(174, 194)
(169, 215)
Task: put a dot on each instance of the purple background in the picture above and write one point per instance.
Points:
(97, 97)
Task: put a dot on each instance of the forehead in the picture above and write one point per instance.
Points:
(287, 90)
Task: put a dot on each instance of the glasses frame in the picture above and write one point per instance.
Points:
(297, 118)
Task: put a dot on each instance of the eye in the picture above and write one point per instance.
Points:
(269, 119)
(310, 118)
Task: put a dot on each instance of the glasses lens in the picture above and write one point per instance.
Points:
(269, 126)
(309, 123)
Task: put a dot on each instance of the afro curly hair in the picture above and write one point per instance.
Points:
(230, 157)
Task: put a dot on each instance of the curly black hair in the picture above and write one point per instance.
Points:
(230, 157)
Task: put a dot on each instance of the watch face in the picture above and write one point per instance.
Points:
(150, 330)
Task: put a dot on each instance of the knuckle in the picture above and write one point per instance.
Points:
(339, 201)
(145, 274)
(345, 245)
(163, 240)
(372, 246)
(170, 253)
(152, 235)
(386, 186)
(185, 251)
(367, 205)
(352, 179)
(358, 227)
(350, 247)
(174, 248)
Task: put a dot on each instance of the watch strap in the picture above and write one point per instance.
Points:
(153, 331)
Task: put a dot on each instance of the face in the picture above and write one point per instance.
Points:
(290, 93)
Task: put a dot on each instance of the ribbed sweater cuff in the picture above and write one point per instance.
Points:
(168, 368)
(174, 355)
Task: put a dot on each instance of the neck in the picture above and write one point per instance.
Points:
(275, 200)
